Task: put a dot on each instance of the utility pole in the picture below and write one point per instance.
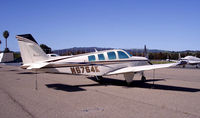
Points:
(0, 44)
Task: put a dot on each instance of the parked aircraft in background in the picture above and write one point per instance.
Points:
(53, 55)
(188, 60)
(191, 60)
(98, 63)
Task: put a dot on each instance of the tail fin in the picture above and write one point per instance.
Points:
(30, 50)
(179, 56)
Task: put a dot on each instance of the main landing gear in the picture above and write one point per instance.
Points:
(143, 78)
(99, 78)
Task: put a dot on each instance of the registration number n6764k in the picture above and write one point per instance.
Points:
(84, 69)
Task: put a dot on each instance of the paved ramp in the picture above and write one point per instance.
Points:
(175, 94)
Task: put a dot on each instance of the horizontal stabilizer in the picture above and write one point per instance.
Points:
(37, 65)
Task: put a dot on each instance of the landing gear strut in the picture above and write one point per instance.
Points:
(143, 78)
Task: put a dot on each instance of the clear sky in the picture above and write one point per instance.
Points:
(160, 24)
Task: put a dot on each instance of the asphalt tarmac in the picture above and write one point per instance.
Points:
(171, 93)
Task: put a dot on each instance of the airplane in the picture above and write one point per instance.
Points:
(52, 55)
(187, 60)
(191, 60)
(97, 64)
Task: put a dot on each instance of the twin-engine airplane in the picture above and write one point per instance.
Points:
(98, 64)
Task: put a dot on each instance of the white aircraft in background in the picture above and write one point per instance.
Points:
(98, 64)
(53, 55)
(191, 60)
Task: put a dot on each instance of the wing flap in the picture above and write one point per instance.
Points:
(141, 68)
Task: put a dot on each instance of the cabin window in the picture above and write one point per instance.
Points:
(101, 57)
(91, 58)
(111, 55)
(122, 55)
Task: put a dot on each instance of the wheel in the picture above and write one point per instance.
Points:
(143, 78)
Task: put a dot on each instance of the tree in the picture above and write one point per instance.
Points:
(6, 35)
(45, 48)
(198, 54)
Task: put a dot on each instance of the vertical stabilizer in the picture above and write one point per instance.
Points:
(30, 50)
(179, 56)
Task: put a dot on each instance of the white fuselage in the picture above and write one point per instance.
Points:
(96, 63)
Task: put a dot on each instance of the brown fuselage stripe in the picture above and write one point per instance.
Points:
(103, 63)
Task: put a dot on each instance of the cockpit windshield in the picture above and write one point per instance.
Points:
(122, 55)
(128, 53)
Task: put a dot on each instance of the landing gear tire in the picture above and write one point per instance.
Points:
(143, 78)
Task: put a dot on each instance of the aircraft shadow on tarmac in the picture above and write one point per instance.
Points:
(13, 70)
(70, 88)
(27, 73)
(115, 82)
(141, 84)
(65, 87)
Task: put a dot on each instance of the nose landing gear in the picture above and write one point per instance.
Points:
(143, 78)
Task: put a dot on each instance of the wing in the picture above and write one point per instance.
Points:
(194, 62)
(141, 68)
